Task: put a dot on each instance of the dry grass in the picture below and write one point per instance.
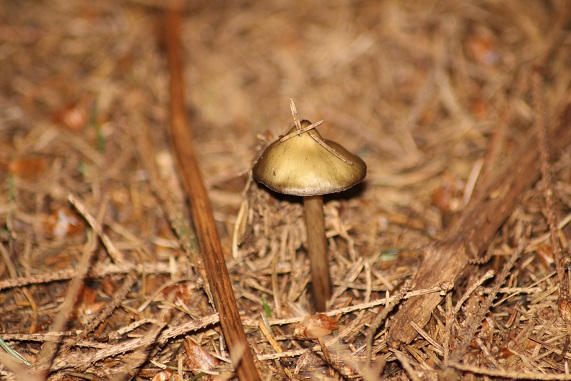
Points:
(433, 95)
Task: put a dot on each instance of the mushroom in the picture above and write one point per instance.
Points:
(302, 163)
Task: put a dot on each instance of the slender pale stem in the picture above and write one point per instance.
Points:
(317, 250)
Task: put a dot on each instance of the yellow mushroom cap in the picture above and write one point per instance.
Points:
(300, 166)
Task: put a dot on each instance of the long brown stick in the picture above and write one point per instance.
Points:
(203, 219)
(445, 261)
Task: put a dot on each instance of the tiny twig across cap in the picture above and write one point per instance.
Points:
(294, 114)
(315, 137)
(299, 132)
(322, 143)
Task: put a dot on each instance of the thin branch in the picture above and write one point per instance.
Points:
(48, 352)
(98, 271)
(203, 219)
(322, 143)
(382, 315)
(300, 132)
(115, 254)
(509, 375)
(294, 114)
(80, 359)
(475, 320)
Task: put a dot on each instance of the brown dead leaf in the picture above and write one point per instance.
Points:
(316, 326)
(25, 167)
(197, 358)
(63, 222)
(73, 116)
(167, 375)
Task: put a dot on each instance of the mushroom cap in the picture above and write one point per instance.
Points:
(302, 167)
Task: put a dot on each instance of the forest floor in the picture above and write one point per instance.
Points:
(447, 102)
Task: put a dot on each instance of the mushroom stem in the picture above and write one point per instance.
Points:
(317, 250)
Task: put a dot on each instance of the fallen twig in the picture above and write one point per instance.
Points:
(509, 375)
(80, 359)
(203, 219)
(98, 271)
(382, 315)
(49, 351)
(474, 321)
